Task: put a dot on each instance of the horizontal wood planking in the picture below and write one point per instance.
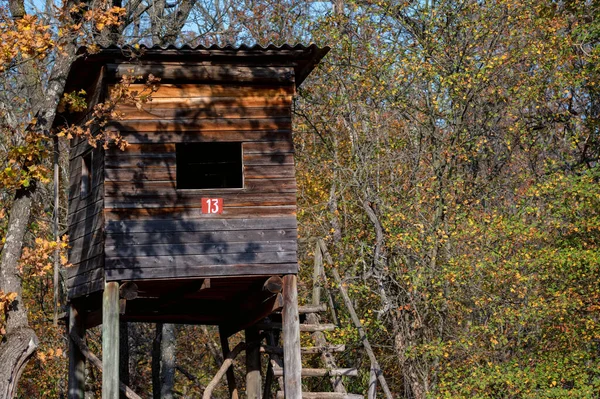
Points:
(199, 125)
(205, 248)
(188, 212)
(209, 102)
(166, 237)
(86, 247)
(191, 199)
(214, 91)
(203, 72)
(197, 225)
(161, 174)
(83, 289)
(158, 110)
(150, 188)
(82, 146)
(79, 275)
(184, 261)
(260, 147)
(78, 203)
(90, 209)
(169, 161)
(157, 135)
(201, 271)
(86, 226)
(86, 266)
(86, 222)
(86, 277)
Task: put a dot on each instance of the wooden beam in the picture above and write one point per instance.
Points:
(225, 367)
(323, 395)
(312, 309)
(110, 341)
(270, 349)
(303, 327)
(351, 372)
(76, 387)
(233, 392)
(252, 309)
(253, 378)
(274, 284)
(291, 339)
(93, 359)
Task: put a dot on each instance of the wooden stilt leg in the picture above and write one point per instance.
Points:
(76, 388)
(292, 363)
(253, 378)
(124, 356)
(110, 341)
(233, 392)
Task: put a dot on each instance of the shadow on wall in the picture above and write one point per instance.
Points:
(155, 230)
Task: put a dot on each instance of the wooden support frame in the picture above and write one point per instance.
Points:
(291, 339)
(110, 341)
(253, 367)
(233, 391)
(76, 384)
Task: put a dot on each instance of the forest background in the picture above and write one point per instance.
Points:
(447, 152)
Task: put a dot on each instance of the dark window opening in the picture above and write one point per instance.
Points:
(86, 174)
(209, 165)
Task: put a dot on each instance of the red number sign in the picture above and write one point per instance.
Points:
(212, 205)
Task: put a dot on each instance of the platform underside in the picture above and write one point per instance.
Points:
(232, 302)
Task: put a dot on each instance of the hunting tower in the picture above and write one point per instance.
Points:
(195, 220)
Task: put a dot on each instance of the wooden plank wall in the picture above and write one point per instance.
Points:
(154, 230)
(85, 223)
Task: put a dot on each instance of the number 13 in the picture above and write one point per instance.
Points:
(212, 204)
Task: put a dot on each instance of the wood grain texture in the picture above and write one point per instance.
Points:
(136, 223)
(199, 271)
(195, 237)
(196, 225)
(200, 125)
(190, 90)
(291, 339)
(203, 72)
(110, 341)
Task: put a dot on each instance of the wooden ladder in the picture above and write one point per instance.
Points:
(311, 323)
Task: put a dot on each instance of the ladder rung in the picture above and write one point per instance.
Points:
(303, 327)
(324, 395)
(308, 350)
(321, 349)
(352, 372)
(312, 308)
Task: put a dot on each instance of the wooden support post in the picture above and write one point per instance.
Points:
(253, 378)
(124, 356)
(110, 341)
(76, 389)
(233, 392)
(372, 391)
(292, 362)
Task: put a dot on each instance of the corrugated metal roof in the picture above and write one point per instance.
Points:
(227, 47)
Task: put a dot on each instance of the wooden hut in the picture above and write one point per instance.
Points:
(194, 221)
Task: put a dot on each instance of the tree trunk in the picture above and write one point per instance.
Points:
(167, 361)
(20, 341)
(163, 361)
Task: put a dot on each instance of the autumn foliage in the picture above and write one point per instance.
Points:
(446, 150)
